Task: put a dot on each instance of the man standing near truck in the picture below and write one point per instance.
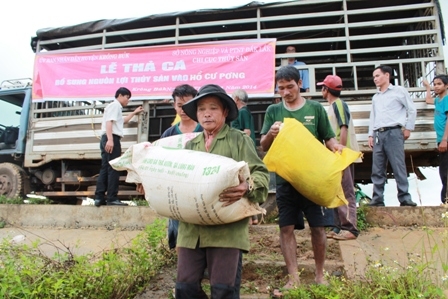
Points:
(182, 94)
(218, 247)
(342, 124)
(245, 123)
(304, 74)
(392, 119)
(292, 205)
(112, 128)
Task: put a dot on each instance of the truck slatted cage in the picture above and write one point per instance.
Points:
(56, 151)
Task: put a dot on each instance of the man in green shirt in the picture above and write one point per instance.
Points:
(291, 204)
(245, 120)
(245, 123)
(218, 247)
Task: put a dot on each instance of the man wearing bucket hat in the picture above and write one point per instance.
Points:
(218, 247)
(342, 125)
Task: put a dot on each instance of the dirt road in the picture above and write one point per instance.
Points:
(263, 266)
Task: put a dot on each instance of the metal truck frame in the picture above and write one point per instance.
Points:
(57, 151)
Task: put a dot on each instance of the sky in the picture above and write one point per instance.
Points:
(19, 23)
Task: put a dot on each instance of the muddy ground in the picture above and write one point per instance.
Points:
(263, 266)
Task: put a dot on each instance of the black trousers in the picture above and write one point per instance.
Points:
(224, 266)
(109, 178)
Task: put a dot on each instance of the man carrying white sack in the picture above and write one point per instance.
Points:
(293, 205)
(218, 247)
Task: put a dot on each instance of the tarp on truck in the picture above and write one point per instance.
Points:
(156, 20)
(129, 23)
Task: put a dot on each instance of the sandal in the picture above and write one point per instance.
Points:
(331, 234)
(280, 292)
(344, 235)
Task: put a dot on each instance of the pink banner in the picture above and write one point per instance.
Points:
(153, 72)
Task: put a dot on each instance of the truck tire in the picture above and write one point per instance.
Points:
(13, 181)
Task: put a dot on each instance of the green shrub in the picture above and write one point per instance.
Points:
(114, 274)
(5, 200)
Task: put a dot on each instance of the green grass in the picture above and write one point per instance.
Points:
(114, 274)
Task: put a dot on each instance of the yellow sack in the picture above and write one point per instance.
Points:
(298, 157)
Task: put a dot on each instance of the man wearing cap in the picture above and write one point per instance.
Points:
(218, 247)
(291, 204)
(392, 119)
(345, 217)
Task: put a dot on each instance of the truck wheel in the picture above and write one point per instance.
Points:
(13, 180)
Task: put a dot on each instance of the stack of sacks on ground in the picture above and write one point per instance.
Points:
(183, 184)
(298, 157)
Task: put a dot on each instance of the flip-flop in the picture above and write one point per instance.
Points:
(276, 293)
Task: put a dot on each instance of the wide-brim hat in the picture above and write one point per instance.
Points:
(190, 108)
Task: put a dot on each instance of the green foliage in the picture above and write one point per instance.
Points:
(113, 274)
(140, 202)
(31, 200)
(362, 223)
(5, 200)
(39, 201)
(383, 281)
(380, 282)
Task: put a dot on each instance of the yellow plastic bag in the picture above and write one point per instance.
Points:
(298, 157)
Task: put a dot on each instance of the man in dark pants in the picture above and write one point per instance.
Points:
(292, 205)
(341, 122)
(392, 110)
(112, 128)
(218, 247)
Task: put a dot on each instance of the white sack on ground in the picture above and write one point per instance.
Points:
(185, 185)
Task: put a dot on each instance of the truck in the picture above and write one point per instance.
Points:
(52, 148)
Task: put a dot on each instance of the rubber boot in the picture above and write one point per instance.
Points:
(189, 291)
(220, 291)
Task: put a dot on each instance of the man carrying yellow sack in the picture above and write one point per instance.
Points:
(342, 124)
(291, 204)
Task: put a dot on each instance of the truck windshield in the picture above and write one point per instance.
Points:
(10, 113)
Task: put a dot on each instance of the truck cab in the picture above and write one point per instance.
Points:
(15, 98)
(52, 148)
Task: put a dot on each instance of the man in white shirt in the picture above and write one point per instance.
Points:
(112, 128)
(392, 119)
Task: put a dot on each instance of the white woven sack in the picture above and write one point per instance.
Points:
(185, 185)
(124, 162)
(176, 141)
